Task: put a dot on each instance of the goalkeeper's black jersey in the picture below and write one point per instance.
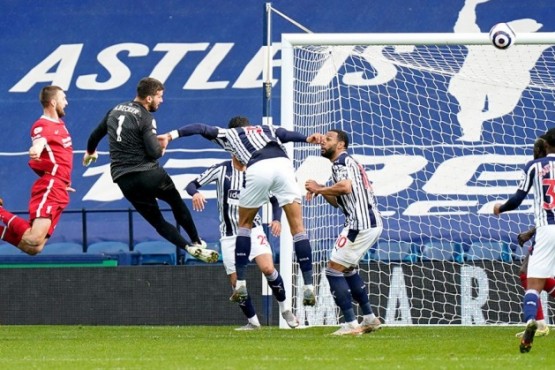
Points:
(131, 131)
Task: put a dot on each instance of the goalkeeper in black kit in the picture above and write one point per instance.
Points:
(134, 153)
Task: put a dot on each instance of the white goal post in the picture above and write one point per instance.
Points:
(443, 124)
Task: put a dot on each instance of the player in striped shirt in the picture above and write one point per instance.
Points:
(549, 287)
(51, 157)
(352, 193)
(539, 174)
(269, 171)
(229, 178)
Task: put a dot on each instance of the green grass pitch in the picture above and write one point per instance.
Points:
(221, 347)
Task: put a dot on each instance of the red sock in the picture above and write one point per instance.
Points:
(549, 286)
(9, 236)
(523, 280)
(16, 227)
(539, 314)
(5, 216)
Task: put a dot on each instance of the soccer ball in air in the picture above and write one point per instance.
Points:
(502, 36)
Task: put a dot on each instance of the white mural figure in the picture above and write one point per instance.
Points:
(477, 86)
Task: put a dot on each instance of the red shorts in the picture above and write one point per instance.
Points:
(49, 198)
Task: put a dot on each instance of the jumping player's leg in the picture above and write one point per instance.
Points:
(251, 198)
(35, 238)
(243, 242)
(30, 239)
(303, 251)
(14, 227)
(139, 189)
(169, 194)
(49, 198)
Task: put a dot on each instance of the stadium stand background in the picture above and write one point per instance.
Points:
(206, 54)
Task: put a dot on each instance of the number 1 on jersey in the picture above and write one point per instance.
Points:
(120, 127)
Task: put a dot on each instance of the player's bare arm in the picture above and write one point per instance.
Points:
(36, 149)
(330, 193)
(316, 138)
(198, 202)
(164, 140)
(339, 188)
(525, 236)
(275, 227)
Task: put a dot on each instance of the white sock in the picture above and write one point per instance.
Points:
(309, 286)
(353, 324)
(369, 317)
(254, 320)
(241, 283)
(283, 307)
(541, 324)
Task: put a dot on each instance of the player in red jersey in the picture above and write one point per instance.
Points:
(51, 157)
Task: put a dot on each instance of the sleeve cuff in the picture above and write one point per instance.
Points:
(174, 134)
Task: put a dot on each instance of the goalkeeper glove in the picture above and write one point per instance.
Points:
(89, 158)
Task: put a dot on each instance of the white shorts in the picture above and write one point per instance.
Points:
(275, 176)
(542, 259)
(259, 246)
(351, 245)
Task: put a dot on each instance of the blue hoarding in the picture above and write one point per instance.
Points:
(209, 56)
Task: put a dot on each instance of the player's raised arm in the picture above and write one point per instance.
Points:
(206, 131)
(287, 136)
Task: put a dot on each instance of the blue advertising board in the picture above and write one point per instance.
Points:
(209, 56)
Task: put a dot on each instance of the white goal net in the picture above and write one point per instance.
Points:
(443, 124)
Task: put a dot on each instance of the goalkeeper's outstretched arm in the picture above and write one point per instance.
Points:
(94, 138)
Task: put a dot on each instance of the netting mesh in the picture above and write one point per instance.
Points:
(443, 132)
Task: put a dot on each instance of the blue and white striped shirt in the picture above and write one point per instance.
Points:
(360, 206)
(539, 174)
(248, 144)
